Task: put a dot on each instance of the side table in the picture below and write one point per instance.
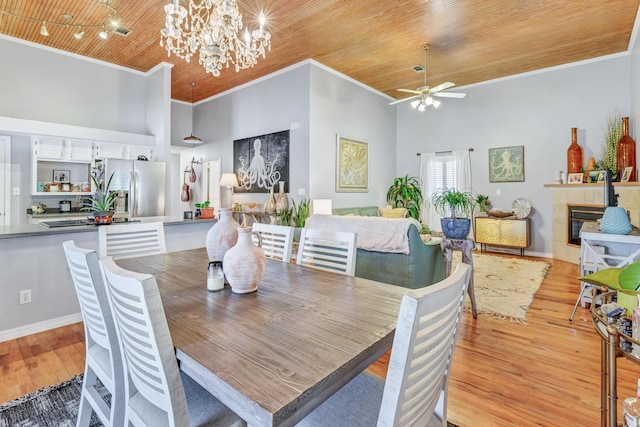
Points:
(465, 246)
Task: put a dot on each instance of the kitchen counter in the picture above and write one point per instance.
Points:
(34, 230)
(31, 257)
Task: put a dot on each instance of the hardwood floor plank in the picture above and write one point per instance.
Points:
(542, 373)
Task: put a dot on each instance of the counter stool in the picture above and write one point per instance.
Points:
(466, 246)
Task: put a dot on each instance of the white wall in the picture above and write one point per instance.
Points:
(340, 106)
(47, 85)
(536, 110)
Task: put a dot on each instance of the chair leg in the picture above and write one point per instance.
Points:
(575, 307)
(85, 409)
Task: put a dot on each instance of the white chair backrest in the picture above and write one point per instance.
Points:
(418, 374)
(277, 240)
(150, 361)
(131, 239)
(328, 250)
(92, 296)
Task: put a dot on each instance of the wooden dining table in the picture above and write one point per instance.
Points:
(274, 355)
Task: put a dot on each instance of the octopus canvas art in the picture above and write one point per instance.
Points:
(261, 161)
(506, 164)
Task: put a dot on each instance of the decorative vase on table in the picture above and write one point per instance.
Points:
(574, 154)
(222, 236)
(244, 264)
(615, 221)
(282, 204)
(626, 152)
(270, 204)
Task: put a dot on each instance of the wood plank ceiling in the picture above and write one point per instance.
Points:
(375, 42)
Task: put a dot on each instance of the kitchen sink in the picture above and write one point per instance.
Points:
(79, 222)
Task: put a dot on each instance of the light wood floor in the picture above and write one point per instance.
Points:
(544, 373)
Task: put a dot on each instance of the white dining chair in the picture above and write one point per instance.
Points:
(157, 392)
(415, 391)
(103, 360)
(277, 240)
(131, 240)
(328, 250)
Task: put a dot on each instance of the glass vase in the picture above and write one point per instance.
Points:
(626, 153)
(574, 154)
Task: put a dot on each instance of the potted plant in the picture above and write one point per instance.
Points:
(456, 206)
(102, 202)
(405, 192)
(483, 203)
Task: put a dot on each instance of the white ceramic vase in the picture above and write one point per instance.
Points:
(222, 236)
(244, 264)
(282, 204)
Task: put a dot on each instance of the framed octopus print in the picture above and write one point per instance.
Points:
(261, 161)
(352, 165)
(506, 164)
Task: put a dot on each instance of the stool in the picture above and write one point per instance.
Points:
(465, 246)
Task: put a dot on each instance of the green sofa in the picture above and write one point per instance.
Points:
(423, 266)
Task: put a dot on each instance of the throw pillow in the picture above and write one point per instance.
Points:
(390, 212)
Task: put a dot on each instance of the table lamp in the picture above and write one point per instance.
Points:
(229, 180)
(321, 206)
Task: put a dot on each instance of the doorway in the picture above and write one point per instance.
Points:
(5, 180)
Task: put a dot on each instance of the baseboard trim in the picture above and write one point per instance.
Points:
(34, 328)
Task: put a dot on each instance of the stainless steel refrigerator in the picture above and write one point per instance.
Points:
(139, 184)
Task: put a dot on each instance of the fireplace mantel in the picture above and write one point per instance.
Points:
(586, 194)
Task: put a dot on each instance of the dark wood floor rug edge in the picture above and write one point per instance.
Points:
(54, 405)
(62, 409)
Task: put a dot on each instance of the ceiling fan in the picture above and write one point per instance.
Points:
(423, 96)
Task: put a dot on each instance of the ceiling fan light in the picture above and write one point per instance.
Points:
(415, 103)
(436, 103)
(103, 35)
(421, 107)
(428, 100)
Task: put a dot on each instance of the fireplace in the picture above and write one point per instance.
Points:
(578, 215)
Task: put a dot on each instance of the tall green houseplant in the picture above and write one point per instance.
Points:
(405, 192)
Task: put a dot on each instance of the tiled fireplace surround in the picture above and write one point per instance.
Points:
(586, 194)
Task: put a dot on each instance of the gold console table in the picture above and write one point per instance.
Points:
(509, 233)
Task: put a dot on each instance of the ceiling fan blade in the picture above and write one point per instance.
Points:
(417, 92)
(442, 86)
(450, 95)
(404, 99)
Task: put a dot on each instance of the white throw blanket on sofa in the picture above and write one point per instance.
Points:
(374, 233)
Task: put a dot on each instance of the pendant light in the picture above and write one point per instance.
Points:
(192, 139)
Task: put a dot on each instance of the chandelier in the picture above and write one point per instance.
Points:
(214, 29)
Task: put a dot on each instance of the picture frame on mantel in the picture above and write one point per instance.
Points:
(575, 178)
(506, 164)
(352, 165)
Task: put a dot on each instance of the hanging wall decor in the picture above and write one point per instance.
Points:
(261, 161)
(506, 164)
(352, 166)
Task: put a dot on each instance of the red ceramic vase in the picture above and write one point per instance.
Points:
(574, 154)
(626, 153)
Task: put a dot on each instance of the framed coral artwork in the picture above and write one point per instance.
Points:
(352, 165)
(506, 164)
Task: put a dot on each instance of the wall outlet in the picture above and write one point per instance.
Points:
(25, 296)
(16, 191)
(498, 192)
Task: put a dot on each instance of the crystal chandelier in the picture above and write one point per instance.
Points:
(214, 28)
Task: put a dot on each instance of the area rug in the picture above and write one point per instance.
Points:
(504, 287)
(55, 405)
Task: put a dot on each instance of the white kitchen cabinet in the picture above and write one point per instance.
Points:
(81, 151)
(109, 150)
(48, 148)
(134, 151)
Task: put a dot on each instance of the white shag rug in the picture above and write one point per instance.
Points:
(504, 287)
